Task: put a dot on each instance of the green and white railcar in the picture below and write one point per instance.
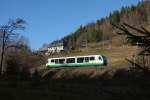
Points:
(77, 61)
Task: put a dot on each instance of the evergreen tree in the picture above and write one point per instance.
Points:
(139, 37)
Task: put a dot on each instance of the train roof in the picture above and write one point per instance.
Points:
(73, 56)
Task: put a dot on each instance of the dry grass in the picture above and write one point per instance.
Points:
(115, 52)
(115, 55)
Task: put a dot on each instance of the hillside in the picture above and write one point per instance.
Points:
(102, 29)
(102, 38)
(116, 54)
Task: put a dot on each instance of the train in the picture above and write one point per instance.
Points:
(77, 61)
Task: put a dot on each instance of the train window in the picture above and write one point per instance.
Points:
(80, 60)
(61, 61)
(86, 59)
(100, 58)
(92, 58)
(56, 61)
(70, 60)
(52, 61)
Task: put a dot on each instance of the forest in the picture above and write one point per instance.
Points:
(103, 30)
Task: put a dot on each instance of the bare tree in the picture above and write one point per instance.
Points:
(7, 33)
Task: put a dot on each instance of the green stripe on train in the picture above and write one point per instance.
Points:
(74, 65)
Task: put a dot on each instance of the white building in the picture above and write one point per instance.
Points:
(56, 48)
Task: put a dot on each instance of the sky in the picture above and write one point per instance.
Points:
(48, 20)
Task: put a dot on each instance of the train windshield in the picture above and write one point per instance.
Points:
(104, 58)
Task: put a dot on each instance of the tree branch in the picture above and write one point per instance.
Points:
(137, 65)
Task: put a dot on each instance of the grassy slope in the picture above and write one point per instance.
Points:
(115, 53)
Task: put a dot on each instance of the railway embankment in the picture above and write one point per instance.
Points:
(116, 56)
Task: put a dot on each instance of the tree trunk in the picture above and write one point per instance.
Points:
(2, 53)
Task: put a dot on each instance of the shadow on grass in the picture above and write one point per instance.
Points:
(122, 84)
